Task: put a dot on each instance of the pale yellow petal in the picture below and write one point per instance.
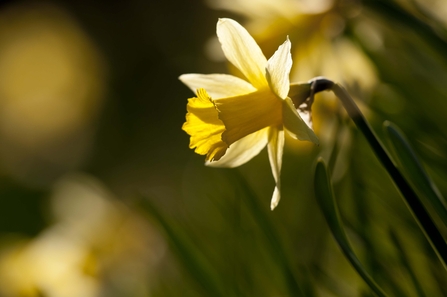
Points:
(275, 150)
(295, 125)
(204, 127)
(242, 51)
(275, 198)
(217, 85)
(245, 114)
(243, 150)
(278, 70)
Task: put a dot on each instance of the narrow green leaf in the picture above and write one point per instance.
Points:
(414, 170)
(405, 262)
(189, 256)
(325, 198)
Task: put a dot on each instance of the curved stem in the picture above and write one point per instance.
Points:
(413, 202)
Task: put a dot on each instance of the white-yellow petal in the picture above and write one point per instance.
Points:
(275, 198)
(242, 51)
(217, 85)
(295, 125)
(275, 150)
(278, 70)
(242, 150)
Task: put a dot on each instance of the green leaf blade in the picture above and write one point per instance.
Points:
(325, 198)
(412, 167)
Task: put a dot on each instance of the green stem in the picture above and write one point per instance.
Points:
(417, 208)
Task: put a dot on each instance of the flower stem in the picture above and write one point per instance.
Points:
(413, 202)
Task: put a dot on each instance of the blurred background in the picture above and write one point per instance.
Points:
(91, 111)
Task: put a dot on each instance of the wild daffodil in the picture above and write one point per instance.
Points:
(231, 120)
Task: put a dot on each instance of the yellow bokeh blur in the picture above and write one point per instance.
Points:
(92, 238)
(52, 85)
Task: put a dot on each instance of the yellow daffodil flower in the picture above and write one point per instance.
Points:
(231, 120)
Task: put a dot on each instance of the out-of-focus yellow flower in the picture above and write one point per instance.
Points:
(232, 120)
(52, 86)
(93, 241)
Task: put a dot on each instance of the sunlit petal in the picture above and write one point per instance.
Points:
(245, 114)
(275, 198)
(204, 127)
(275, 149)
(242, 51)
(295, 125)
(242, 150)
(217, 85)
(278, 70)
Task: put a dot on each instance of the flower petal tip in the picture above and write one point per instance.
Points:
(278, 70)
(222, 21)
(275, 199)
